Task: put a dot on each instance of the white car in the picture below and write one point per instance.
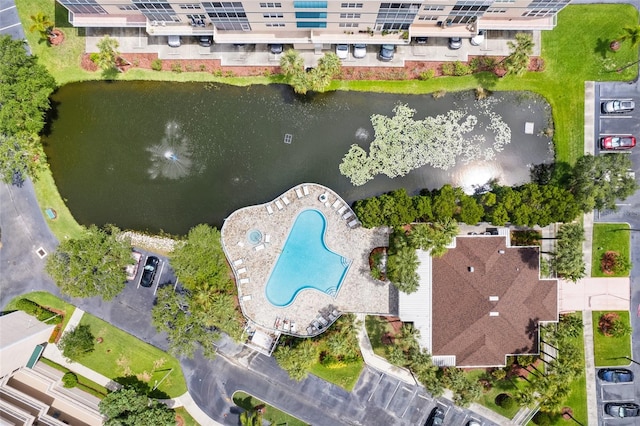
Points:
(174, 41)
(359, 50)
(477, 39)
(342, 50)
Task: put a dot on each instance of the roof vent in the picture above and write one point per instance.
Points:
(493, 298)
(470, 268)
(501, 251)
(494, 314)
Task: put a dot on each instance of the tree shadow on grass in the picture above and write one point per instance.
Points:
(141, 387)
(602, 47)
(486, 79)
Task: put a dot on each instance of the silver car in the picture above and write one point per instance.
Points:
(617, 106)
(359, 50)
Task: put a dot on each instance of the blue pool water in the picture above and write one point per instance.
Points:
(305, 262)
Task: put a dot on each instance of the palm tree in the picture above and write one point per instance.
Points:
(631, 33)
(42, 24)
(518, 61)
(291, 63)
(108, 53)
(402, 267)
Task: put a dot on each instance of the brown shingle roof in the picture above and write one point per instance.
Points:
(461, 306)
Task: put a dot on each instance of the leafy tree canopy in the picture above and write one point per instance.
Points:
(316, 79)
(77, 342)
(297, 357)
(127, 407)
(21, 155)
(93, 265)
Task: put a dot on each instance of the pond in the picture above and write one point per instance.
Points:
(167, 156)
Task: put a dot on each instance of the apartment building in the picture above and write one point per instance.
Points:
(316, 21)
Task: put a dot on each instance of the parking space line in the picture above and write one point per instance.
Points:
(415, 392)
(140, 280)
(604, 117)
(158, 280)
(392, 395)
(617, 134)
(7, 8)
(10, 26)
(376, 387)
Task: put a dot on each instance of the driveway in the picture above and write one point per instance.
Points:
(594, 294)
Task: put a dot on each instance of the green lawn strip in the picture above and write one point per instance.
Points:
(376, 327)
(272, 414)
(186, 417)
(609, 237)
(120, 354)
(488, 398)
(608, 350)
(46, 300)
(83, 383)
(345, 375)
(64, 226)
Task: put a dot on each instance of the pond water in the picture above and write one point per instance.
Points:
(150, 155)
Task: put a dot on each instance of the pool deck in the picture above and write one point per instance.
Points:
(252, 263)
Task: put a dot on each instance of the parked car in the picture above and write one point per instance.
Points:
(477, 39)
(359, 50)
(342, 51)
(205, 41)
(622, 409)
(149, 271)
(455, 43)
(473, 423)
(617, 106)
(174, 41)
(436, 418)
(132, 269)
(386, 52)
(615, 375)
(421, 40)
(275, 48)
(617, 142)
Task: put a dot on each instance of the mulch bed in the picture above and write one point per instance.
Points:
(411, 70)
(396, 325)
(56, 38)
(606, 321)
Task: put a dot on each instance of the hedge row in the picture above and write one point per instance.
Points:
(38, 311)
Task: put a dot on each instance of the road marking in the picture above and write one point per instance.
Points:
(8, 8)
(140, 280)
(376, 387)
(10, 26)
(392, 395)
(158, 280)
(615, 134)
(415, 392)
(616, 99)
(604, 117)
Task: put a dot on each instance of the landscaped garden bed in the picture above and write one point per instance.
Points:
(268, 413)
(611, 249)
(611, 349)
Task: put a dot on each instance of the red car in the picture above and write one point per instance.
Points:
(617, 142)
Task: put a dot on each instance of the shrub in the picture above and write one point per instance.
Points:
(505, 401)
(176, 67)
(460, 69)
(38, 311)
(542, 419)
(447, 68)
(203, 67)
(69, 380)
(94, 57)
(156, 64)
(427, 75)
(439, 94)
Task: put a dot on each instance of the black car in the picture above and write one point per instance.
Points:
(455, 43)
(622, 409)
(276, 49)
(421, 40)
(616, 375)
(436, 418)
(205, 41)
(149, 271)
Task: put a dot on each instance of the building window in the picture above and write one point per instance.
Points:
(275, 24)
(349, 16)
(397, 16)
(351, 5)
(348, 25)
(311, 15)
(539, 13)
(428, 18)
(270, 5)
(197, 17)
(433, 8)
(228, 16)
(83, 6)
(496, 10)
(505, 1)
(311, 24)
(310, 4)
(272, 15)
(127, 7)
(190, 6)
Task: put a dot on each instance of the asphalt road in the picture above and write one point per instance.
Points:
(627, 211)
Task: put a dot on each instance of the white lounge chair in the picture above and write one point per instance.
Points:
(244, 281)
(242, 271)
(286, 326)
(247, 297)
(267, 238)
(305, 190)
(336, 204)
(286, 201)
(269, 209)
(299, 193)
(322, 320)
(354, 223)
(237, 262)
(278, 204)
(342, 210)
(347, 215)
(293, 327)
(259, 247)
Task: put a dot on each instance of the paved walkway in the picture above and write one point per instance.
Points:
(589, 366)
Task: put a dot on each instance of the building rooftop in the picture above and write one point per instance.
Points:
(488, 300)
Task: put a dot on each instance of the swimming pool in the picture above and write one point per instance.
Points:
(305, 262)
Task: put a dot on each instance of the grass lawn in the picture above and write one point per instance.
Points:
(121, 355)
(83, 383)
(609, 237)
(488, 399)
(344, 375)
(376, 328)
(272, 415)
(46, 300)
(607, 350)
(188, 420)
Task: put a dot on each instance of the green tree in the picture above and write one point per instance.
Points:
(518, 60)
(470, 211)
(25, 87)
(127, 407)
(76, 343)
(598, 182)
(107, 53)
(401, 269)
(92, 265)
(297, 358)
(568, 259)
(631, 33)
(185, 327)
(21, 154)
(444, 202)
(42, 24)
(291, 63)
(251, 418)
(328, 68)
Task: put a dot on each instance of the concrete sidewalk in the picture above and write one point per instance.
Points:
(590, 368)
